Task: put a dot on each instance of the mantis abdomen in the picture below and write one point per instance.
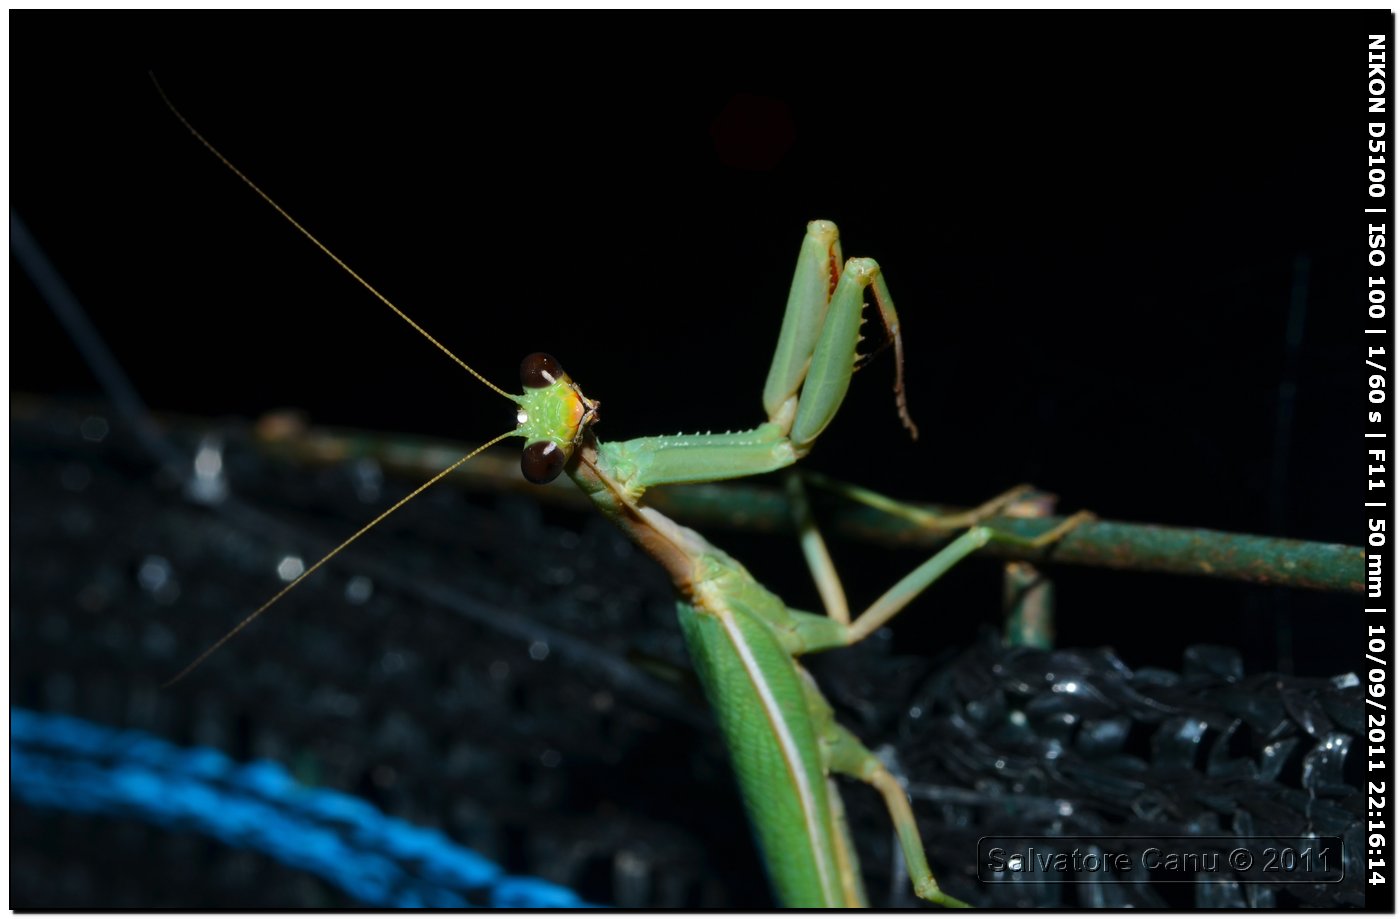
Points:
(759, 695)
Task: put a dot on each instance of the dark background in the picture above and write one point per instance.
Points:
(1097, 229)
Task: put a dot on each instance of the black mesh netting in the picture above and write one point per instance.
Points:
(518, 681)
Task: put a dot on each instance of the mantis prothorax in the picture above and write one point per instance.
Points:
(783, 739)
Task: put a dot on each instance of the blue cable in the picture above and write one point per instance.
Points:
(66, 763)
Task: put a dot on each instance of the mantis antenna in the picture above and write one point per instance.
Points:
(402, 315)
(320, 245)
(247, 620)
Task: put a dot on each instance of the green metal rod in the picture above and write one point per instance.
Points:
(1100, 543)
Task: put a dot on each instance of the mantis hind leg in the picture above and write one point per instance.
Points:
(817, 633)
(846, 755)
(850, 757)
(996, 506)
(911, 585)
(814, 549)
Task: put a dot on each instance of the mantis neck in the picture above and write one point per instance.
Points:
(676, 548)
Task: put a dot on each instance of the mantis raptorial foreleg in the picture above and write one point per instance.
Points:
(807, 381)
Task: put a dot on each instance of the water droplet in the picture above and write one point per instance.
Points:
(75, 477)
(550, 759)
(208, 485)
(358, 590)
(157, 577)
(158, 641)
(290, 568)
(94, 428)
(153, 574)
(369, 479)
(557, 575)
(539, 650)
(209, 460)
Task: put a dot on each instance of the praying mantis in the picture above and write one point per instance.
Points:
(745, 642)
(1060, 150)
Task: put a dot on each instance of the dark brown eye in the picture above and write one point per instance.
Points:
(539, 370)
(542, 461)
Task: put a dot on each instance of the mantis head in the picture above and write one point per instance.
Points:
(553, 416)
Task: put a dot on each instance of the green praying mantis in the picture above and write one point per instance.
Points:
(746, 643)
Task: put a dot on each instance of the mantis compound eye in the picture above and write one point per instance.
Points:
(542, 461)
(539, 370)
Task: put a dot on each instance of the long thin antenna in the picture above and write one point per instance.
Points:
(327, 557)
(319, 245)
